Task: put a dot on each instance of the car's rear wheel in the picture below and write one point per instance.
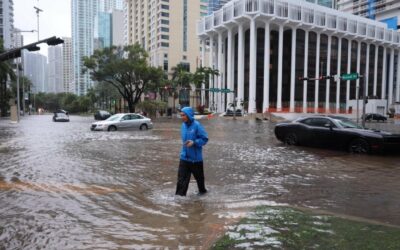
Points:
(291, 139)
(112, 128)
(143, 127)
(359, 146)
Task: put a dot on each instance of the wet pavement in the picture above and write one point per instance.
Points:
(63, 186)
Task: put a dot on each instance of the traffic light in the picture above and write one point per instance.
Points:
(33, 48)
(53, 41)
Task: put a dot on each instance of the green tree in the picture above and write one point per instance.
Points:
(6, 73)
(152, 106)
(125, 68)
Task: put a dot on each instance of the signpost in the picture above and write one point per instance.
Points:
(349, 77)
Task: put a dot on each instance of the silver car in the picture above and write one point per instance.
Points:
(123, 121)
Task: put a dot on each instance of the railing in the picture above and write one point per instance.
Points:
(342, 23)
(209, 22)
(252, 5)
(300, 11)
(380, 33)
(362, 29)
(388, 35)
(228, 13)
(307, 15)
(281, 8)
(371, 31)
(218, 17)
(239, 8)
(331, 21)
(319, 18)
(295, 13)
(267, 7)
(351, 26)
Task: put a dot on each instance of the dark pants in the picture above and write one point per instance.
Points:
(185, 170)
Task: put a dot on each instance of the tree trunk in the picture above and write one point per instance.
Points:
(131, 105)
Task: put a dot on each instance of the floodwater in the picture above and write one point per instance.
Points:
(63, 186)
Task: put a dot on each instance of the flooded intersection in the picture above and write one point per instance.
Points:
(63, 186)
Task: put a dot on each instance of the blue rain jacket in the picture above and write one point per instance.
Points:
(194, 131)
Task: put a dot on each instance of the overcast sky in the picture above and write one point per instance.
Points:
(55, 20)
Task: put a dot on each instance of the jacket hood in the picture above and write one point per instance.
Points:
(189, 113)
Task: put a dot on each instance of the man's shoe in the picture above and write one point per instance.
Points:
(201, 193)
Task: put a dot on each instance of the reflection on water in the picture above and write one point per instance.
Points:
(64, 186)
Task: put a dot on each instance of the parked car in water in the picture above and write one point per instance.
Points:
(61, 111)
(335, 132)
(101, 115)
(375, 117)
(60, 117)
(123, 121)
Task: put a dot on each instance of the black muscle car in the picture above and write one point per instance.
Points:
(335, 132)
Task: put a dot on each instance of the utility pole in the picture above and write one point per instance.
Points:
(37, 13)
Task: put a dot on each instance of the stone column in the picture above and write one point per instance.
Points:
(348, 72)
(391, 76)
(316, 96)
(253, 67)
(229, 69)
(280, 68)
(376, 69)
(383, 94)
(305, 73)
(267, 54)
(241, 63)
(328, 73)
(339, 65)
(293, 70)
(366, 77)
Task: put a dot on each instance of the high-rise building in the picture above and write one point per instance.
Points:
(83, 18)
(109, 5)
(35, 68)
(214, 5)
(17, 39)
(6, 22)
(67, 65)
(387, 11)
(117, 27)
(103, 30)
(326, 3)
(55, 69)
(166, 29)
(84, 35)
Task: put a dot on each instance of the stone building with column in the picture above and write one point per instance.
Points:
(263, 47)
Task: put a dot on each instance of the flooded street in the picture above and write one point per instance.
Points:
(63, 186)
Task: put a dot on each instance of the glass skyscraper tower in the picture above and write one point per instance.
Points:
(83, 17)
(214, 5)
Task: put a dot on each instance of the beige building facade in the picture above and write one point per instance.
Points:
(167, 30)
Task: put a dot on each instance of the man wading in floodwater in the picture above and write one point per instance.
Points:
(194, 137)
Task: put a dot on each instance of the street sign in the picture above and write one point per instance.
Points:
(214, 90)
(349, 77)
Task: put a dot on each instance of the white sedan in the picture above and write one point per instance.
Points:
(123, 121)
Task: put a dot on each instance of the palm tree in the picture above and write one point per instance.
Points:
(6, 73)
(209, 72)
(181, 78)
